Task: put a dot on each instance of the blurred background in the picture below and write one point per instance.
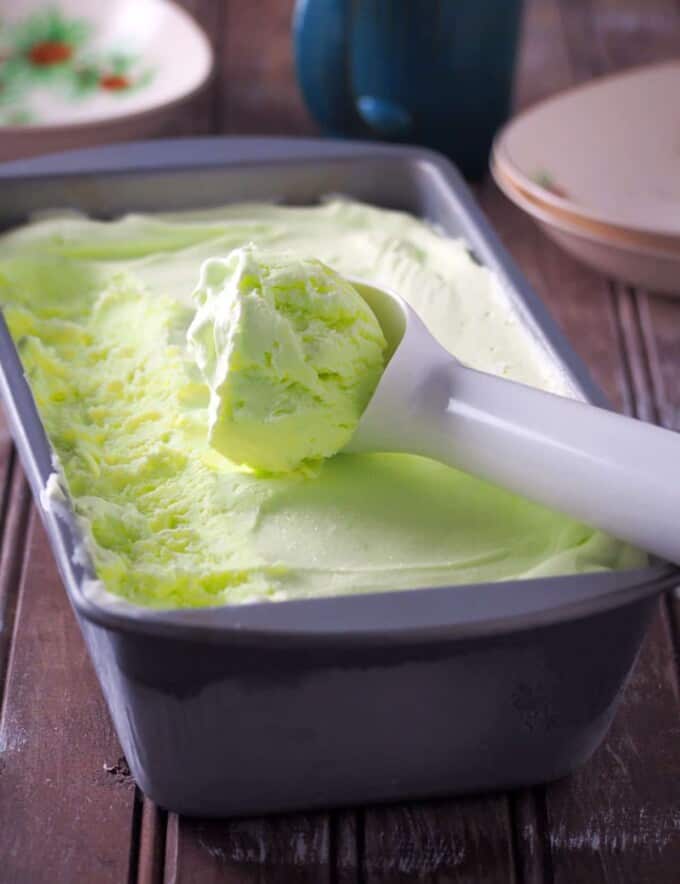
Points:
(561, 42)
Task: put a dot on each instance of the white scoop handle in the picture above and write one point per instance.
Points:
(609, 471)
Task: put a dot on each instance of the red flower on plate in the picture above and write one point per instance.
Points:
(114, 82)
(49, 52)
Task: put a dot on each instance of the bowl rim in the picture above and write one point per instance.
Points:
(546, 215)
(499, 148)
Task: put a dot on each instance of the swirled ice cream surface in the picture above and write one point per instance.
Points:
(100, 310)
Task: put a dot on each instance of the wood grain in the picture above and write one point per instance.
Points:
(659, 323)
(151, 840)
(618, 819)
(660, 329)
(203, 114)
(14, 507)
(533, 862)
(66, 798)
(543, 66)
(456, 841)
(604, 36)
(260, 95)
(293, 849)
(346, 831)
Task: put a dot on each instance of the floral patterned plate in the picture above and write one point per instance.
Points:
(76, 72)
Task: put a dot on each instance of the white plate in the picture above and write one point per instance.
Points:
(657, 270)
(608, 150)
(76, 72)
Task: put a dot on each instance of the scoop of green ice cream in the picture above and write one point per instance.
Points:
(291, 353)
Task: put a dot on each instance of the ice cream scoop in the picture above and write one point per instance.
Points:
(291, 354)
(610, 471)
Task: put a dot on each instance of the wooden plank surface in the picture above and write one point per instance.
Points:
(66, 797)
(203, 114)
(259, 96)
(14, 503)
(293, 848)
(456, 841)
(68, 812)
(660, 330)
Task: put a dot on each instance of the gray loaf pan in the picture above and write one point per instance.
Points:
(275, 706)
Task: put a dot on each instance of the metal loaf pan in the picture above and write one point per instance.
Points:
(268, 707)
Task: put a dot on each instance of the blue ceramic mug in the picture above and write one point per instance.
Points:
(432, 72)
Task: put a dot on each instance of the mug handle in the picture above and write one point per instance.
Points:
(321, 38)
(380, 41)
(331, 52)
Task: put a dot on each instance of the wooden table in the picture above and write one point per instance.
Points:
(69, 811)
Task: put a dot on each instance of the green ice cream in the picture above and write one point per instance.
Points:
(291, 354)
(100, 313)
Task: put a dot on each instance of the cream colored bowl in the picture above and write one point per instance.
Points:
(638, 261)
(607, 150)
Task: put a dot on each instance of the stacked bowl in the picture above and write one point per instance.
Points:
(598, 168)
